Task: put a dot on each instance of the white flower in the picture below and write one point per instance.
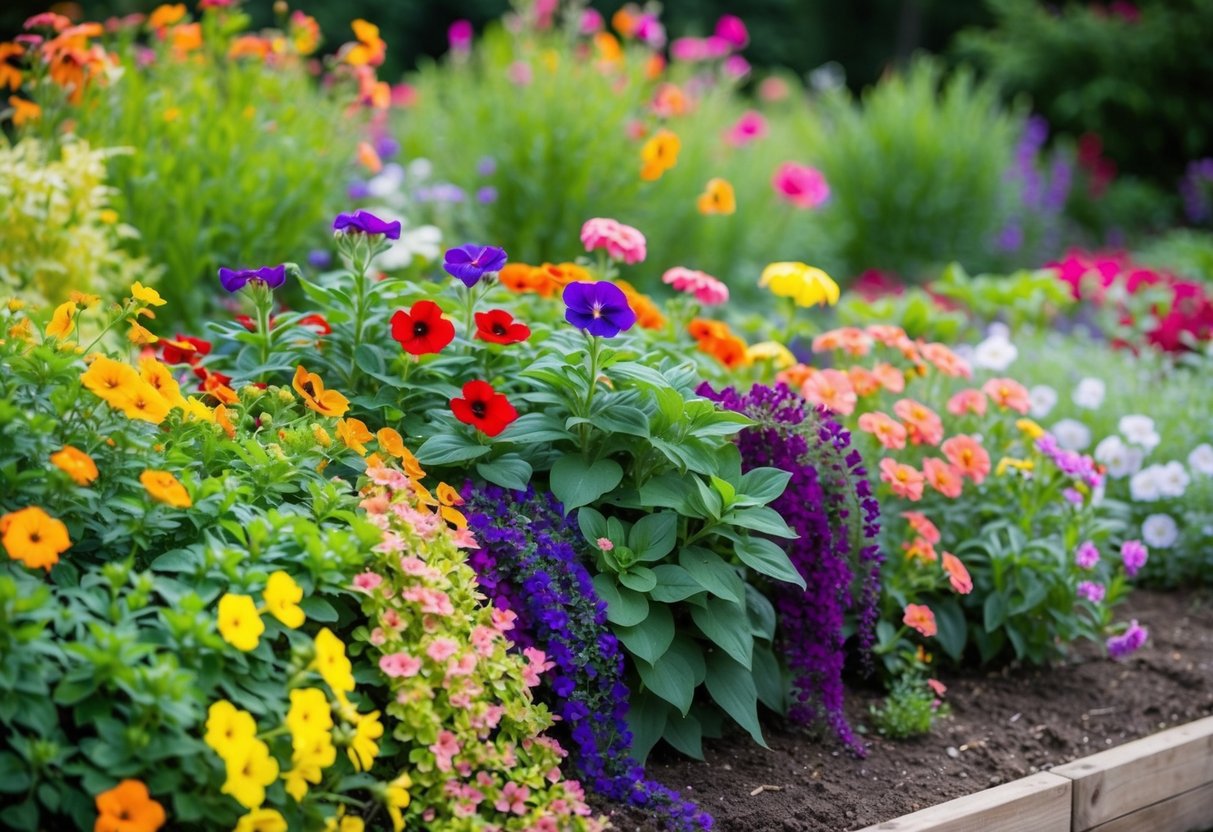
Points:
(995, 353)
(1139, 430)
(1144, 486)
(1159, 531)
(998, 330)
(1201, 459)
(1072, 434)
(1120, 459)
(424, 242)
(1173, 479)
(1089, 393)
(387, 184)
(419, 170)
(1041, 400)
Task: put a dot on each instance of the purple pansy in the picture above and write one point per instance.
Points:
(470, 262)
(598, 308)
(365, 222)
(235, 279)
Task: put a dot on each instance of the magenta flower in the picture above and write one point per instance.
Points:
(707, 290)
(470, 262)
(1128, 642)
(1091, 591)
(621, 242)
(1134, 554)
(1086, 555)
(599, 308)
(235, 279)
(801, 185)
(750, 127)
(459, 35)
(732, 30)
(364, 222)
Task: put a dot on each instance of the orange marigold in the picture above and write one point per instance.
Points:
(76, 464)
(34, 537)
(311, 388)
(165, 488)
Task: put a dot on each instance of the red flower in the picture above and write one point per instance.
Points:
(483, 408)
(422, 330)
(184, 349)
(247, 322)
(499, 327)
(317, 322)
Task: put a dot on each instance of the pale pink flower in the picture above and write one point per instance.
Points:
(378, 637)
(465, 539)
(462, 666)
(441, 649)
(397, 665)
(392, 620)
(708, 290)
(367, 582)
(503, 620)
(513, 799)
(445, 749)
(621, 242)
(967, 401)
(604, 544)
(483, 640)
(801, 185)
(392, 542)
(831, 389)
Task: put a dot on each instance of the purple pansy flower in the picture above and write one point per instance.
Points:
(598, 308)
(365, 222)
(470, 262)
(235, 279)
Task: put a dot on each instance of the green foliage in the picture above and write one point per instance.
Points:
(1023, 298)
(914, 310)
(910, 709)
(1185, 253)
(915, 169)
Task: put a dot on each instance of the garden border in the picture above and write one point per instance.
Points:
(1163, 782)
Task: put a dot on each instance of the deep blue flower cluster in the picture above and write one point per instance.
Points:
(829, 503)
(528, 562)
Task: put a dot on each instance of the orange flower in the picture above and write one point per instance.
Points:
(863, 380)
(76, 464)
(165, 488)
(852, 340)
(717, 198)
(922, 526)
(920, 618)
(704, 328)
(410, 465)
(353, 432)
(920, 548)
(140, 335)
(368, 158)
(967, 401)
(729, 350)
(10, 76)
(166, 15)
(108, 378)
(958, 576)
(942, 476)
(128, 808)
(795, 376)
(370, 50)
(250, 46)
(969, 457)
(946, 361)
(34, 537)
(448, 496)
(391, 442)
(24, 111)
(924, 424)
(890, 378)
(609, 50)
(1007, 394)
(160, 378)
(311, 388)
(517, 277)
(831, 389)
(624, 20)
(187, 38)
(62, 321)
(890, 433)
(659, 154)
(648, 315)
(904, 480)
(225, 421)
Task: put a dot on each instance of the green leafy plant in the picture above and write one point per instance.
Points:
(910, 709)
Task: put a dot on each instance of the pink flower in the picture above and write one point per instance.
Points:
(441, 649)
(445, 749)
(732, 30)
(967, 401)
(503, 620)
(939, 687)
(1007, 393)
(536, 663)
(513, 799)
(621, 242)
(920, 618)
(604, 544)
(519, 73)
(831, 389)
(1091, 591)
(903, 480)
(736, 66)
(750, 127)
(413, 565)
(459, 35)
(397, 665)
(774, 88)
(689, 49)
(958, 574)
(378, 637)
(465, 539)
(591, 21)
(484, 640)
(367, 581)
(888, 431)
(801, 185)
(707, 290)
(969, 457)
(922, 423)
(462, 666)
(923, 527)
(942, 476)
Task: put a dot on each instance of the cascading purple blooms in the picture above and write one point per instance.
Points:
(527, 562)
(829, 503)
(1035, 228)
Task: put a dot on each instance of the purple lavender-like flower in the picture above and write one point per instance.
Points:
(1134, 554)
(487, 166)
(386, 147)
(486, 195)
(236, 279)
(1072, 496)
(1091, 591)
(470, 262)
(1086, 556)
(357, 190)
(1128, 642)
(599, 308)
(364, 222)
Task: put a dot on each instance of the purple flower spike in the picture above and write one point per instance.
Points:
(598, 308)
(364, 222)
(470, 262)
(235, 279)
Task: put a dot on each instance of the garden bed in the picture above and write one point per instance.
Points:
(1004, 725)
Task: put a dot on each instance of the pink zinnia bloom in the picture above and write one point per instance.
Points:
(591, 21)
(903, 480)
(890, 433)
(732, 30)
(513, 799)
(503, 620)
(736, 66)
(967, 401)
(689, 49)
(969, 457)
(922, 526)
(958, 575)
(942, 476)
(367, 581)
(1007, 393)
(924, 425)
(707, 290)
(459, 35)
(604, 544)
(801, 185)
(749, 127)
(621, 242)
(445, 749)
(831, 389)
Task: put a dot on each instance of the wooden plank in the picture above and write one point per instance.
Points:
(1187, 812)
(1038, 803)
(1140, 773)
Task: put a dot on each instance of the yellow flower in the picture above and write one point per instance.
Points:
(1006, 462)
(659, 154)
(165, 488)
(282, 596)
(250, 768)
(331, 662)
(83, 299)
(76, 464)
(396, 796)
(363, 746)
(772, 351)
(62, 321)
(161, 378)
(146, 295)
(21, 331)
(108, 216)
(391, 442)
(239, 623)
(141, 401)
(310, 713)
(15, 304)
(341, 822)
(1030, 428)
(354, 432)
(196, 410)
(804, 284)
(109, 379)
(322, 437)
(34, 537)
(718, 198)
(228, 727)
(311, 756)
(262, 820)
(140, 335)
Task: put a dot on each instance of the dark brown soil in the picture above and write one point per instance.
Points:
(1003, 725)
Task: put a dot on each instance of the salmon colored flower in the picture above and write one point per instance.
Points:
(1007, 394)
(946, 361)
(864, 381)
(831, 389)
(904, 480)
(890, 378)
(76, 464)
(969, 457)
(794, 376)
(311, 388)
(128, 807)
(920, 548)
(922, 526)
(851, 340)
(707, 289)
(890, 433)
(942, 476)
(886, 334)
(923, 423)
(967, 401)
(33, 537)
(717, 198)
(920, 618)
(958, 575)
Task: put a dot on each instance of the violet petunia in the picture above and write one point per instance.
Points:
(364, 222)
(598, 308)
(234, 280)
(470, 262)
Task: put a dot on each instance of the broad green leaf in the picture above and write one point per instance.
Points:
(592, 524)
(760, 519)
(624, 419)
(726, 624)
(671, 678)
(639, 578)
(674, 584)
(712, 572)
(666, 491)
(767, 558)
(577, 483)
(646, 719)
(761, 613)
(685, 734)
(768, 679)
(951, 628)
(994, 611)
(651, 638)
(509, 471)
(624, 607)
(732, 688)
(446, 448)
(652, 536)
(762, 485)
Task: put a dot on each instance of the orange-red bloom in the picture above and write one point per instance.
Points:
(33, 537)
(128, 807)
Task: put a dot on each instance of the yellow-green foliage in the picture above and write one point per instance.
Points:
(57, 231)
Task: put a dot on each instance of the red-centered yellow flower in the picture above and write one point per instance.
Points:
(165, 488)
(110, 379)
(76, 464)
(282, 596)
(228, 727)
(659, 154)
(33, 537)
(128, 807)
(717, 198)
(311, 388)
(448, 495)
(354, 433)
(146, 295)
(63, 321)
(239, 622)
(24, 111)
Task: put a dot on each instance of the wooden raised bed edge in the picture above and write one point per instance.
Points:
(1160, 783)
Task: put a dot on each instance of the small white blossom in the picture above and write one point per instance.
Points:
(1120, 459)
(1139, 431)
(1089, 393)
(995, 353)
(423, 242)
(1041, 400)
(1173, 479)
(1201, 459)
(1072, 434)
(1144, 486)
(387, 184)
(1159, 531)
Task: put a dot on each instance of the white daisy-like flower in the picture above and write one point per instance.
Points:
(1200, 460)
(387, 184)
(1159, 531)
(1041, 400)
(1089, 393)
(1120, 459)
(423, 242)
(1173, 479)
(995, 353)
(1144, 486)
(1139, 430)
(1072, 434)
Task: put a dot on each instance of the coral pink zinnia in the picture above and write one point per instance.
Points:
(621, 242)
